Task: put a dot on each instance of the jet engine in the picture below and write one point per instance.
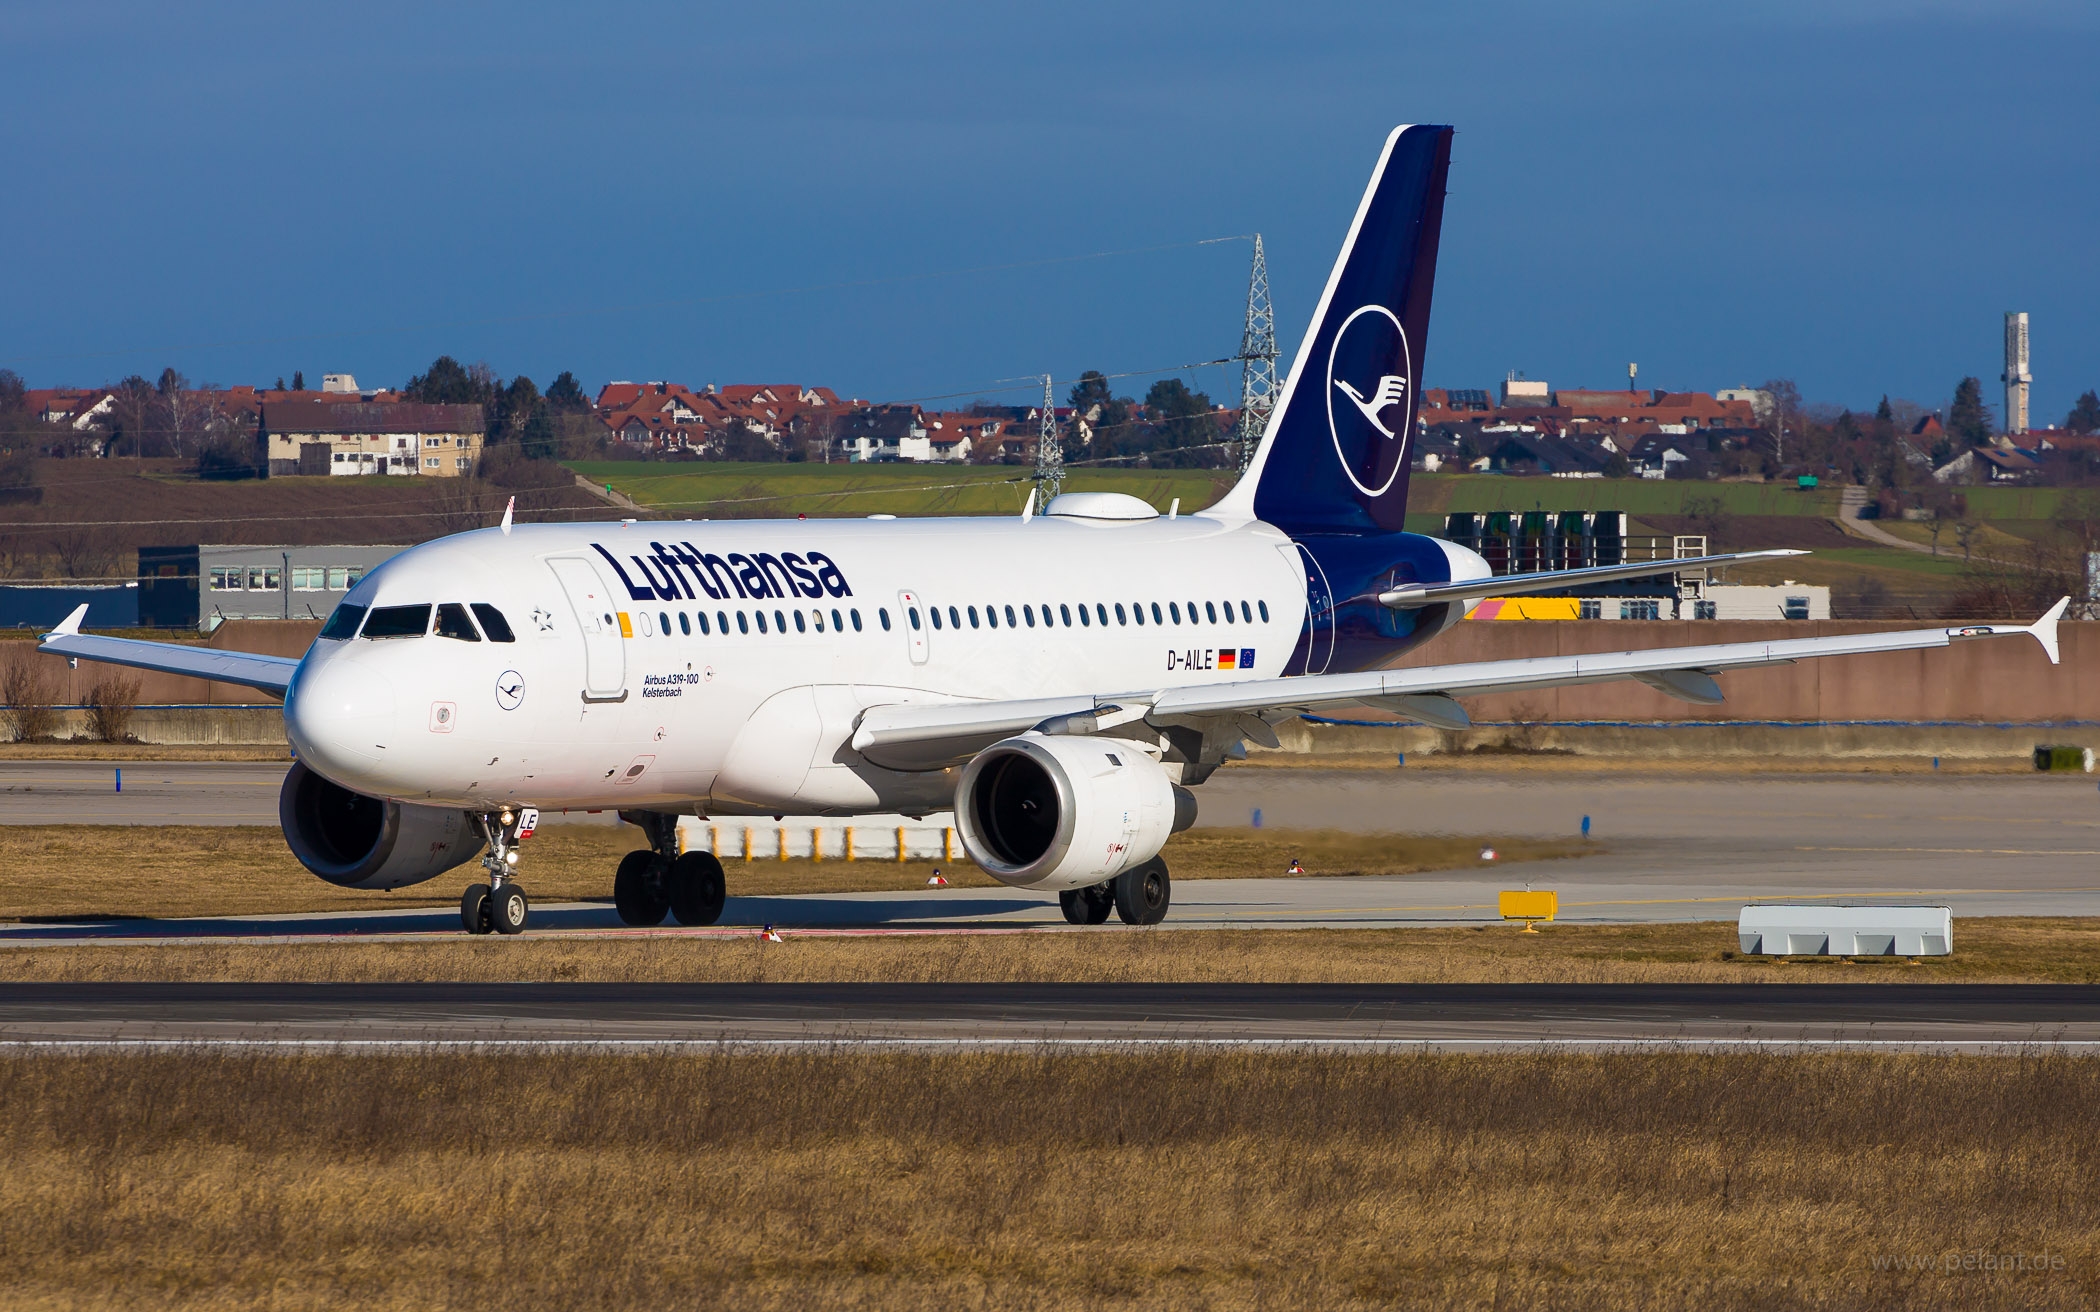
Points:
(356, 841)
(1056, 812)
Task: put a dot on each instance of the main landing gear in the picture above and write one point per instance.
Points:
(1138, 896)
(660, 879)
(499, 906)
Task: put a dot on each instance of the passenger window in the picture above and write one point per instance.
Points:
(954, 618)
(1157, 618)
(1210, 611)
(1028, 614)
(1264, 611)
(1010, 618)
(856, 620)
(453, 623)
(1175, 610)
(1246, 613)
(743, 625)
(398, 621)
(838, 625)
(1065, 613)
(1101, 613)
(816, 620)
(701, 616)
(721, 621)
(492, 623)
(800, 625)
(780, 621)
(991, 617)
(882, 613)
(1083, 619)
(913, 612)
(663, 622)
(973, 617)
(343, 623)
(761, 620)
(1137, 612)
(935, 611)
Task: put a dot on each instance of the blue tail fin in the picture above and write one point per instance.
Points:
(1335, 455)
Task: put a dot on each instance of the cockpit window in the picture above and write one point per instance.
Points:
(453, 623)
(343, 623)
(493, 623)
(398, 621)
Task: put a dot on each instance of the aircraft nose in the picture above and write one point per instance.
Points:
(339, 715)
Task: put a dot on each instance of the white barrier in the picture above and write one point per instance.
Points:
(1833, 931)
(822, 838)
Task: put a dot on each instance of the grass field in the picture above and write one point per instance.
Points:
(1441, 494)
(725, 490)
(1199, 1180)
(247, 870)
(1990, 950)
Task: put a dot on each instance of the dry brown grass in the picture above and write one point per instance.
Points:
(63, 871)
(1117, 1180)
(1988, 951)
(1629, 765)
(80, 749)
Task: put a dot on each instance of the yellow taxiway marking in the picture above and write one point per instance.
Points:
(1670, 901)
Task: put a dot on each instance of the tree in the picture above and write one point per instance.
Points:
(566, 394)
(1709, 516)
(13, 395)
(2085, 416)
(1091, 390)
(1185, 428)
(1885, 412)
(1969, 419)
(176, 410)
(280, 383)
(298, 381)
(447, 383)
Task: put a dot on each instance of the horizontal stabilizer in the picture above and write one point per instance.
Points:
(1529, 585)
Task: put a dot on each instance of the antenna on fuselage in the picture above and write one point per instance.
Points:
(508, 507)
(1028, 511)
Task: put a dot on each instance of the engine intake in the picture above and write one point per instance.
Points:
(355, 841)
(1055, 812)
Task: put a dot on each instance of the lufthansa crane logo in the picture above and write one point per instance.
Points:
(510, 690)
(1368, 366)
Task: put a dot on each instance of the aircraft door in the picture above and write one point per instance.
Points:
(913, 617)
(598, 617)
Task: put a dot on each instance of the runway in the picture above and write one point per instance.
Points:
(1677, 847)
(1454, 1017)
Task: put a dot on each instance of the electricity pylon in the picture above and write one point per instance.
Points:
(1257, 359)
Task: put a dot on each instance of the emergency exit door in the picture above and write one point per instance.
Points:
(598, 620)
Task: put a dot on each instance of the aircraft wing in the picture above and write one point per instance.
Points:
(269, 673)
(929, 735)
(1525, 585)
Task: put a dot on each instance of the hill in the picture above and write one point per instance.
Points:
(728, 490)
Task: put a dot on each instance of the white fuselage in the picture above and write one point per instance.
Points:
(745, 703)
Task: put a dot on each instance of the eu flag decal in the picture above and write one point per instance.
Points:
(1226, 656)
(1246, 658)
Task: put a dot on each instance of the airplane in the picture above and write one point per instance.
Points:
(1059, 679)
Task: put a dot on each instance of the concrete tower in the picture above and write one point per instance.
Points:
(2017, 379)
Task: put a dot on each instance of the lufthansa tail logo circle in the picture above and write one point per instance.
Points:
(1371, 429)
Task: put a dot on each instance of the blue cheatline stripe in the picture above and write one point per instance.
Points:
(1730, 724)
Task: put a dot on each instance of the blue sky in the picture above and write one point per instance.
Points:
(1847, 194)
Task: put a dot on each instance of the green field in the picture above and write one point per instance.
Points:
(728, 490)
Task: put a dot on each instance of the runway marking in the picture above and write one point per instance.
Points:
(735, 1046)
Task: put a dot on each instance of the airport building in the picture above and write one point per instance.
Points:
(201, 587)
(352, 436)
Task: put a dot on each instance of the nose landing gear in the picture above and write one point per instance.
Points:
(660, 880)
(499, 906)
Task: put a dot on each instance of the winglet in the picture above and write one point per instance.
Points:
(1028, 511)
(508, 507)
(70, 626)
(2043, 629)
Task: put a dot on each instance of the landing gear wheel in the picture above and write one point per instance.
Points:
(1088, 906)
(693, 886)
(474, 909)
(1142, 893)
(507, 909)
(638, 891)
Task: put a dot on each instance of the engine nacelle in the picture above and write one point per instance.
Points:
(1054, 812)
(356, 841)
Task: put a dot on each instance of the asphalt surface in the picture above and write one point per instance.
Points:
(1675, 847)
(1457, 1017)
